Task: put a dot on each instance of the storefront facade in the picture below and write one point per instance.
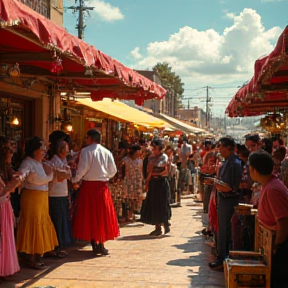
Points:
(40, 60)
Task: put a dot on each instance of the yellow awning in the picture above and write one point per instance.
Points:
(124, 112)
(188, 128)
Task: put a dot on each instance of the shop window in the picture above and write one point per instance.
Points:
(40, 6)
(11, 118)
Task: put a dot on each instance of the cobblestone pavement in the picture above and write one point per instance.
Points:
(178, 259)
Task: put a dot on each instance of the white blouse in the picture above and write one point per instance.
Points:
(58, 189)
(35, 176)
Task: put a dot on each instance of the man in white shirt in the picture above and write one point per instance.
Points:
(95, 218)
(185, 151)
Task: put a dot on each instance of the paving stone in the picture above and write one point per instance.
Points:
(176, 260)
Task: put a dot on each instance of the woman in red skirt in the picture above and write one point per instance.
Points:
(95, 218)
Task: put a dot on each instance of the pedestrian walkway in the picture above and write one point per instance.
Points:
(178, 259)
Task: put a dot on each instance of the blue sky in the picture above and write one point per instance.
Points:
(207, 42)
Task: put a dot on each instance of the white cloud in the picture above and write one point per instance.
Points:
(106, 11)
(211, 58)
(230, 15)
(136, 53)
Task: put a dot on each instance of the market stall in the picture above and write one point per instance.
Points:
(267, 90)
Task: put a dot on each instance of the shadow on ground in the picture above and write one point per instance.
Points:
(27, 276)
(140, 237)
(197, 264)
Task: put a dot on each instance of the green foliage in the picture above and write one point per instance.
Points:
(170, 81)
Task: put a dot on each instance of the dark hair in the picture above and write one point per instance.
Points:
(228, 142)
(142, 141)
(275, 138)
(262, 162)
(243, 151)
(241, 147)
(159, 143)
(281, 141)
(32, 145)
(55, 138)
(134, 149)
(95, 135)
(238, 146)
(252, 137)
(57, 135)
(280, 153)
(207, 142)
(268, 145)
(168, 148)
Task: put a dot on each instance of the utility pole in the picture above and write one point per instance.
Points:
(81, 8)
(208, 99)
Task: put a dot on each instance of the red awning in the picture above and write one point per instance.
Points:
(55, 53)
(267, 89)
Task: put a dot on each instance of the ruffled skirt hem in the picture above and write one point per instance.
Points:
(36, 232)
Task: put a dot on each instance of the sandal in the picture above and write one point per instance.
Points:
(56, 254)
(61, 254)
(36, 265)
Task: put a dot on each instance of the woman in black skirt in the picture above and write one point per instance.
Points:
(156, 209)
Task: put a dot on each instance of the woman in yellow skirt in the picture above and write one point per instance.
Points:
(36, 234)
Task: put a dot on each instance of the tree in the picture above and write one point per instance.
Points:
(170, 81)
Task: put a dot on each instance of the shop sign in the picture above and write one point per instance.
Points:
(94, 119)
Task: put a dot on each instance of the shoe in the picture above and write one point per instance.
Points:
(100, 249)
(36, 265)
(156, 232)
(57, 254)
(217, 264)
(206, 232)
(166, 229)
(104, 251)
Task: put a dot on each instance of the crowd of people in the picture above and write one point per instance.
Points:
(57, 196)
(252, 173)
(53, 196)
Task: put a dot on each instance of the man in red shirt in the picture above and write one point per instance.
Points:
(272, 213)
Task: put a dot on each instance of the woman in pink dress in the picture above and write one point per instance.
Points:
(8, 256)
